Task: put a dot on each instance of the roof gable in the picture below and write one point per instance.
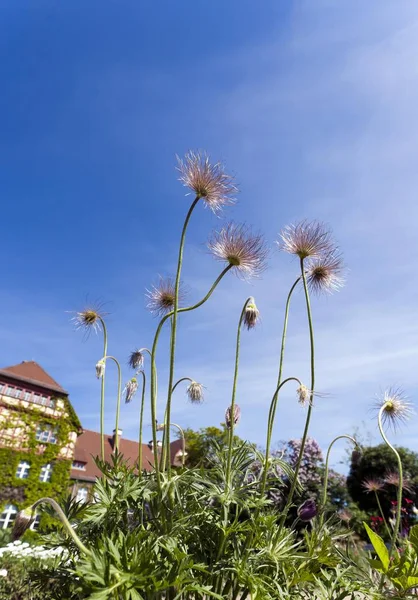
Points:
(31, 372)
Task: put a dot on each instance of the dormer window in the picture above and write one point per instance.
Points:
(80, 466)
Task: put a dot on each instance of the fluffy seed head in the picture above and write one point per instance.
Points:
(195, 392)
(208, 181)
(304, 394)
(251, 314)
(344, 515)
(89, 319)
(325, 274)
(21, 523)
(245, 251)
(308, 510)
(130, 389)
(136, 360)
(229, 418)
(394, 407)
(160, 427)
(306, 239)
(392, 478)
(372, 485)
(162, 296)
(100, 368)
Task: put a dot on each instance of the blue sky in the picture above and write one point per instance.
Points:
(313, 105)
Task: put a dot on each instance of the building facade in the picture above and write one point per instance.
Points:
(43, 449)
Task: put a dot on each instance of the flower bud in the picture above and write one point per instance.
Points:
(22, 522)
(308, 510)
(100, 368)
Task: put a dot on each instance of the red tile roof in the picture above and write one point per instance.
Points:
(88, 446)
(29, 371)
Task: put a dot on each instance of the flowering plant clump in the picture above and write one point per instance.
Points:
(251, 524)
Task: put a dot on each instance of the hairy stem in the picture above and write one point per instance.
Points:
(116, 446)
(64, 521)
(326, 475)
(141, 421)
(102, 391)
(174, 324)
(234, 391)
(382, 514)
(153, 364)
(270, 430)
(400, 488)
(312, 386)
(273, 407)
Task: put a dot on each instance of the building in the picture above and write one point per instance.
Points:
(43, 448)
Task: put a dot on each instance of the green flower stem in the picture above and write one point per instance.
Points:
(273, 408)
(182, 436)
(102, 391)
(312, 386)
(270, 429)
(105, 358)
(179, 381)
(64, 521)
(234, 391)
(325, 486)
(400, 488)
(174, 323)
(153, 365)
(166, 450)
(382, 514)
(141, 421)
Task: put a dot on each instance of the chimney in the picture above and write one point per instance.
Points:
(120, 431)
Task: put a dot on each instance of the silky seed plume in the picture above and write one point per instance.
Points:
(208, 181)
(242, 249)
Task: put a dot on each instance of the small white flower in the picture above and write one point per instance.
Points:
(3, 573)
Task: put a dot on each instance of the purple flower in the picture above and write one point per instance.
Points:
(307, 510)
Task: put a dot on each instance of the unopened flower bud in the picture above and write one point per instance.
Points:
(100, 368)
(130, 389)
(195, 392)
(307, 510)
(251, 314)
(235, 418)
(304, 394)
(21, 523)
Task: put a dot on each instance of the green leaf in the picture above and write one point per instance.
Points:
(413, 537)
(379, 546)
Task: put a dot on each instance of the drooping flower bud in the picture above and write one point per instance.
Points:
(136, 360)
(22, 522)
(304, 394)
(130, 389)
(100, 368)
(251, 314)
(235, 418)
(308, 510)
(195, 392)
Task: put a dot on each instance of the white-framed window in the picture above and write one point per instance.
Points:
(27, 396)
(23, 469)
(46, 473)
(2, 387)
(46, 433)
(18, 392)
(77, 464)
(10, 391)
(8, 516)
(82, 494)
(52, 402)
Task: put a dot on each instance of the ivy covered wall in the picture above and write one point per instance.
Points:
(23, 492)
